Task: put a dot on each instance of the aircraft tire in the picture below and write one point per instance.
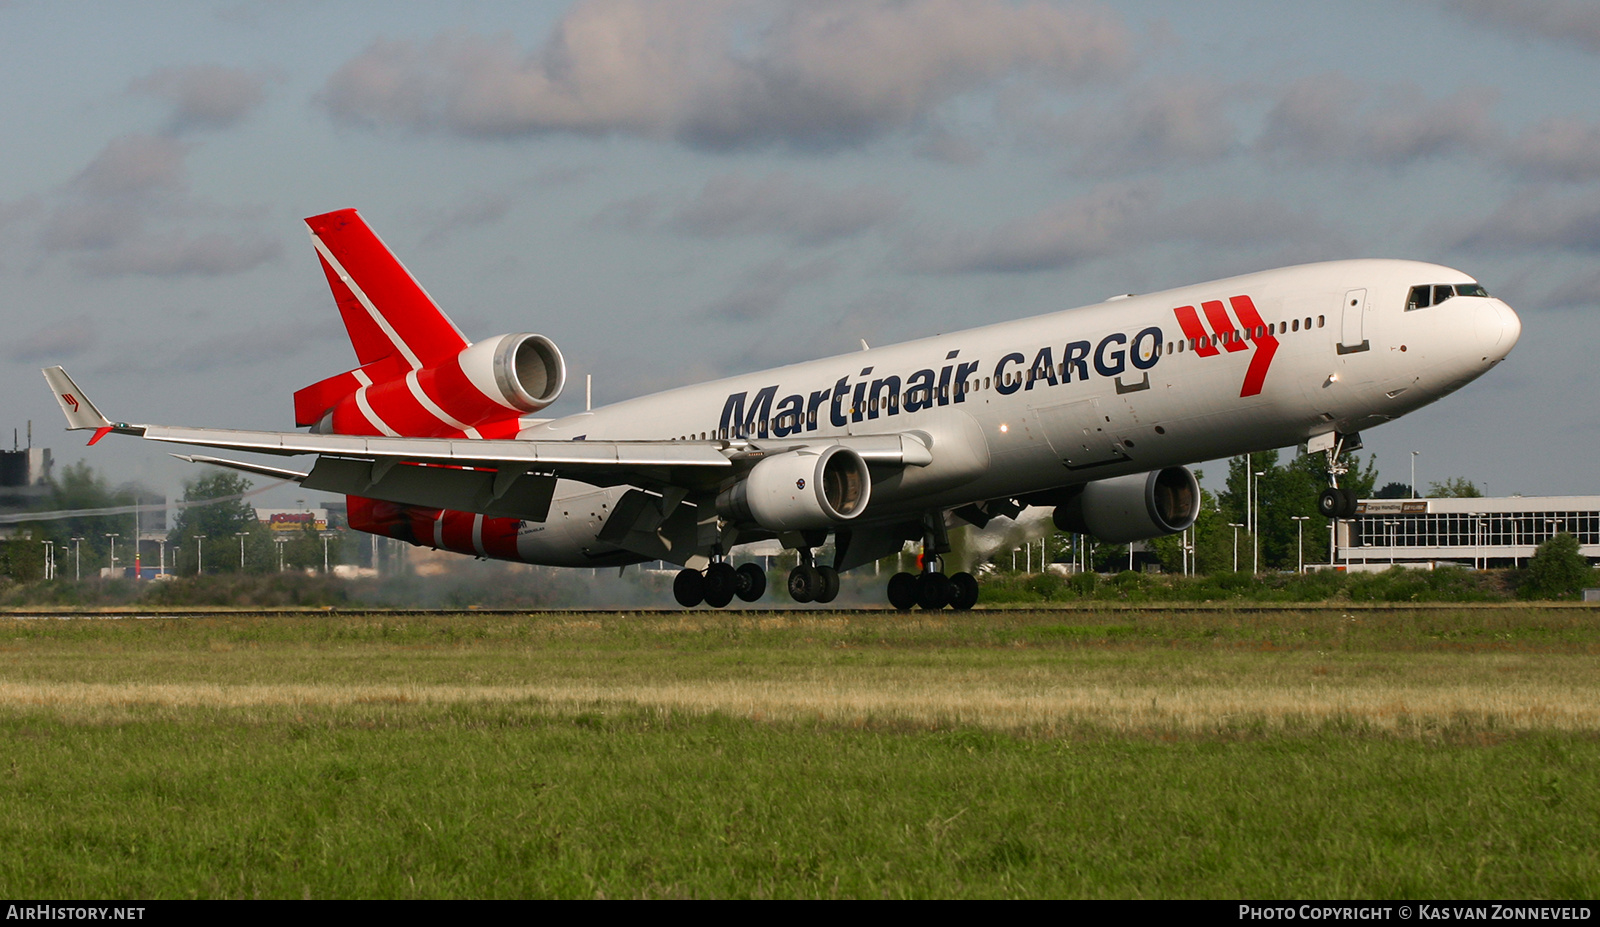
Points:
(903, 591)
(689, 588)
(1350, 501)
(804, 583)
(1331, 503)
(830, 585)
(751, 582)
(963, 591)
(933, 591)
(721, 583)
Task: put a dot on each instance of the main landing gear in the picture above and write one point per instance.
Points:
(719, 585)
(811, 583)
(931, 590)
(1336, 502)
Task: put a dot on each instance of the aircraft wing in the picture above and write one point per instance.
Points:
(495, 477)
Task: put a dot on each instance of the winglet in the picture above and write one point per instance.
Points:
(80, 412)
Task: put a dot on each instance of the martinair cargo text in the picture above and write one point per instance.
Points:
(1094, 412)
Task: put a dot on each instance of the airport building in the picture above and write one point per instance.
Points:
(1481, 532)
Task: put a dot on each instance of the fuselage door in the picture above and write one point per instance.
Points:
(1353, 333)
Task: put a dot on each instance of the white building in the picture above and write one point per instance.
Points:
(1483, 533)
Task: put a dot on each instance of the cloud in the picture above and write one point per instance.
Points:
(724, 73)
(1557, 149)
(780, 205)
(1332, 118)
(1161, 124)
(1058, 236)
(1529, 222)
(480, 210)
(207, 96)
(124, 213)
(765, 288)
(1574, 21)
(1108, 220)
(57, 342)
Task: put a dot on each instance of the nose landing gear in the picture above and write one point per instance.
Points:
(1336, 502)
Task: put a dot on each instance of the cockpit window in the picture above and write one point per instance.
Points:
(1421, 297)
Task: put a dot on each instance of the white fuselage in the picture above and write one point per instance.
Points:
(1265, 360)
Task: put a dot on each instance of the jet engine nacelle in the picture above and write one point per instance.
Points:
(1133, 508)
(809, 488)
(525, 370)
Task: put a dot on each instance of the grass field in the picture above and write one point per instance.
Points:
(1442, 752)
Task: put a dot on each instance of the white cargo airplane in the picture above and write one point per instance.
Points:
(1093, 411)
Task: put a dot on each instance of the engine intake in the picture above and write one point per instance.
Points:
(1133, 508)
(526, 371)
(797, 490)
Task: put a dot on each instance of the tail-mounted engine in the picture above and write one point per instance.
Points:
(484, 387)
(1133, 508)
(808, 488)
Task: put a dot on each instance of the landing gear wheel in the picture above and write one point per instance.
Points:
(903, 591)
(933, 591)
(1331, 503)
(830, 585)
(750, 582)
(963, 591)
(1349, 502)
(689, 588)
(804, 583)
(721, 581)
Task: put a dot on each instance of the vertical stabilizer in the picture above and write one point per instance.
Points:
(386, 311)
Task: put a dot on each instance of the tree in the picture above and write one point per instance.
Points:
(1456, 487)
(1558, 570)
(1393, 491)
(220, 521)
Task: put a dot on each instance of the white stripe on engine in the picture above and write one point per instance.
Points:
(427, 402)
(366, 407)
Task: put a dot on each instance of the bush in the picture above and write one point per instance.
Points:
(1558, 570)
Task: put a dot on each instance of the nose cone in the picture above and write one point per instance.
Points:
(1509, 329)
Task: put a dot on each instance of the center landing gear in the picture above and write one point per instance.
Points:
(1336, 502)
(719, 584)
(811, 583)
(931, 590)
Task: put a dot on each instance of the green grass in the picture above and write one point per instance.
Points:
(1429, 754)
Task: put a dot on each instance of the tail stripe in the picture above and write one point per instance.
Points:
(361, 297)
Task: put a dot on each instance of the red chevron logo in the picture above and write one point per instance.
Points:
(1251, 331)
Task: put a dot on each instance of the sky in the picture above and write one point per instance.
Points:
(679, 191)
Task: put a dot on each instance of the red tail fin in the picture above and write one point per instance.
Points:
(385, 310)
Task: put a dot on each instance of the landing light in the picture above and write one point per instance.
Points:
(1004, 428)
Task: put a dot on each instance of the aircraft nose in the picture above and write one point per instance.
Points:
(1510, 328)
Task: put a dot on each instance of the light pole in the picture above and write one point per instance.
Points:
(1300, 537)
(280, 542)
(77, 558)
(326, 537)
(113, 538)
(199, 554)
(241, 535)
(1389, 524)
(1255, 531)
(1414, 473)
(1235, 526)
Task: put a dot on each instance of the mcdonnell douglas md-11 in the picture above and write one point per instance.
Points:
(1094, 412)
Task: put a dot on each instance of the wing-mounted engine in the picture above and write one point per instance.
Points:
(1133, 508)
(483, 388)
(818, 487)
